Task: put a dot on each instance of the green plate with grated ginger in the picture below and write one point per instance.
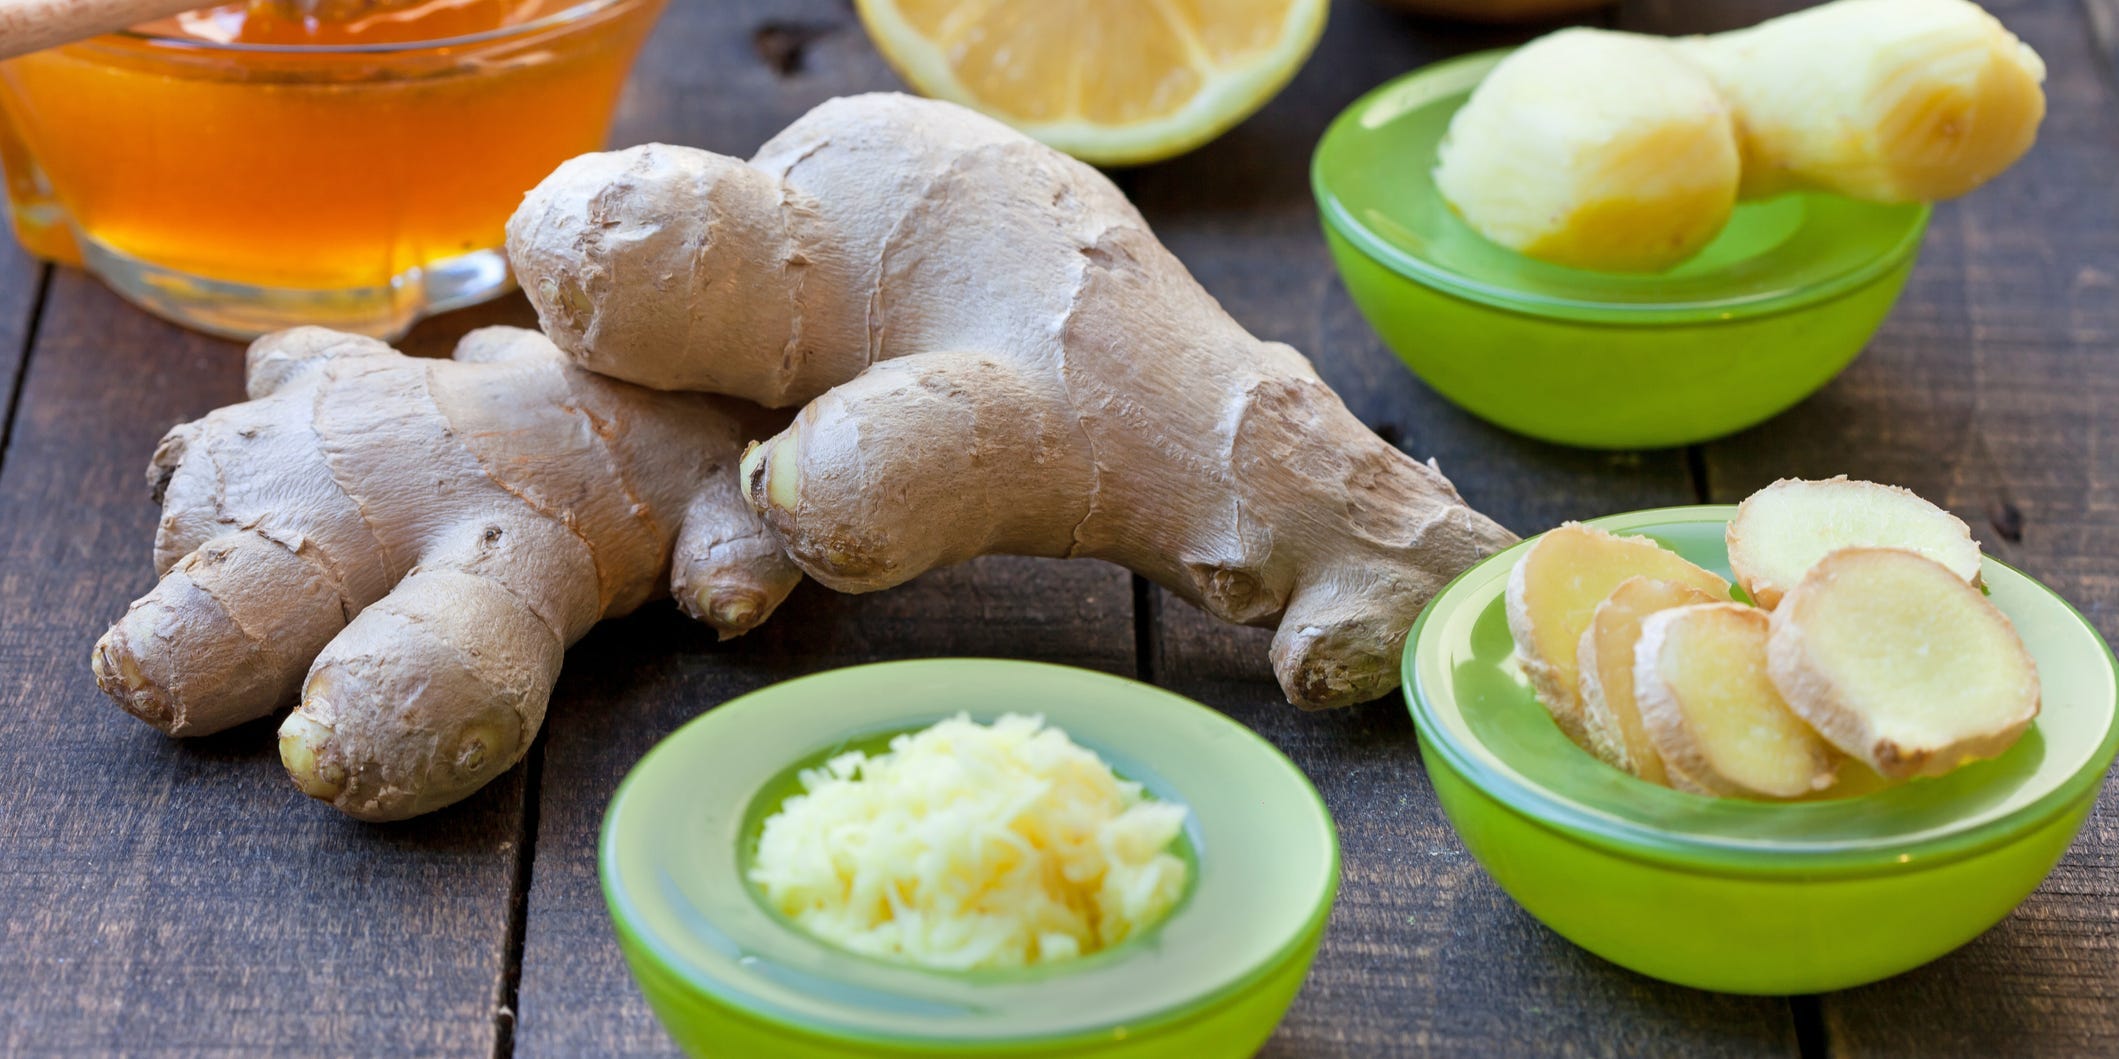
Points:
(730, 976)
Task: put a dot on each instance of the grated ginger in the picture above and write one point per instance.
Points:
(972, 846)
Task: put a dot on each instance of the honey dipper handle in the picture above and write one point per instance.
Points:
(29, 25)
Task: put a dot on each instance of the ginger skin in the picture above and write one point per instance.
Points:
(408, 546)
(995, 355)
(1625, 152)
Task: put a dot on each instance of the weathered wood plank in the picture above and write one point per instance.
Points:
(21, 281)
(1425, 955)
(1992, 390)
(726, 79)
(182, 897)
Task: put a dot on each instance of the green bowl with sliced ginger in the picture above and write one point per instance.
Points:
(729, 976)
(1748, 896)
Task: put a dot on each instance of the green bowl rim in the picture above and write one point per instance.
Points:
(706, 986)
(1341, 221)
(1709, 856)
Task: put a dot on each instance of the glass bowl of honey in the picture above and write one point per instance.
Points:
(353, 163)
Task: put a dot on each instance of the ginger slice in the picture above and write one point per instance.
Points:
(1781, 531)
(1899, 663)
(1700, 676)
(1604, 661)
(1554, 591)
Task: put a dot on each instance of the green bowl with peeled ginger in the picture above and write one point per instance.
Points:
(1769, 312)
(1750, 896)
(729, 976)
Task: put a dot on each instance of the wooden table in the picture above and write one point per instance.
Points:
(181, 897)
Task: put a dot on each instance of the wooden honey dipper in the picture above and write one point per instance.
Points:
(32, 25)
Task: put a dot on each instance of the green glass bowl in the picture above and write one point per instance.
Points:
(1771, 310)
(1746, 896)
(728, 976)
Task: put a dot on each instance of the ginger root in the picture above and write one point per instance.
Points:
(409, 545)
(1626, 152)
(995, 356)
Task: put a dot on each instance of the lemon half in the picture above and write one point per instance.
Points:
(1114, 82)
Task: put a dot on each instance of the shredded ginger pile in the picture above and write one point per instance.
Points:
(971, 846)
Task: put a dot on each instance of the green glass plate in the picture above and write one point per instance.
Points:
(1748, 895)
(728, 975)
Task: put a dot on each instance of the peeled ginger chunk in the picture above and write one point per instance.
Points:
(1604, 660)
(1628, 153)
(1713, 712)
(1553, 593)
(1783, 530)
(1594, 149)
(1900, 664)
(1885, 100)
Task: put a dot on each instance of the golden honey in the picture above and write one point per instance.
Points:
(241, 170)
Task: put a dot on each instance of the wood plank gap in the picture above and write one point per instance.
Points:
(1147, 628)
(1696, 471)
(504, 1007)
(2103, 16)
(1810, 1037)
(29, 345)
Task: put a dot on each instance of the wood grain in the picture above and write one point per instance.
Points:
(1424, 955)
(159, 896)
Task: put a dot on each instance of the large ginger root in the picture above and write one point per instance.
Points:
(1627, 152)
(997, 357)
(410, 545)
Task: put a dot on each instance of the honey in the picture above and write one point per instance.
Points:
(242, 168)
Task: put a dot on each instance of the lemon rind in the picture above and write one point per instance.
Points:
(1224, 100)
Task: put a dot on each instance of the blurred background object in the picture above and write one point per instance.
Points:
(248, 167)
(33, 25)
(1500, 11)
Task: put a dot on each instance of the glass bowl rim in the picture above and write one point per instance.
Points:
(1707, 854)
(626, 917)
(1463, 71)
(580, 11)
